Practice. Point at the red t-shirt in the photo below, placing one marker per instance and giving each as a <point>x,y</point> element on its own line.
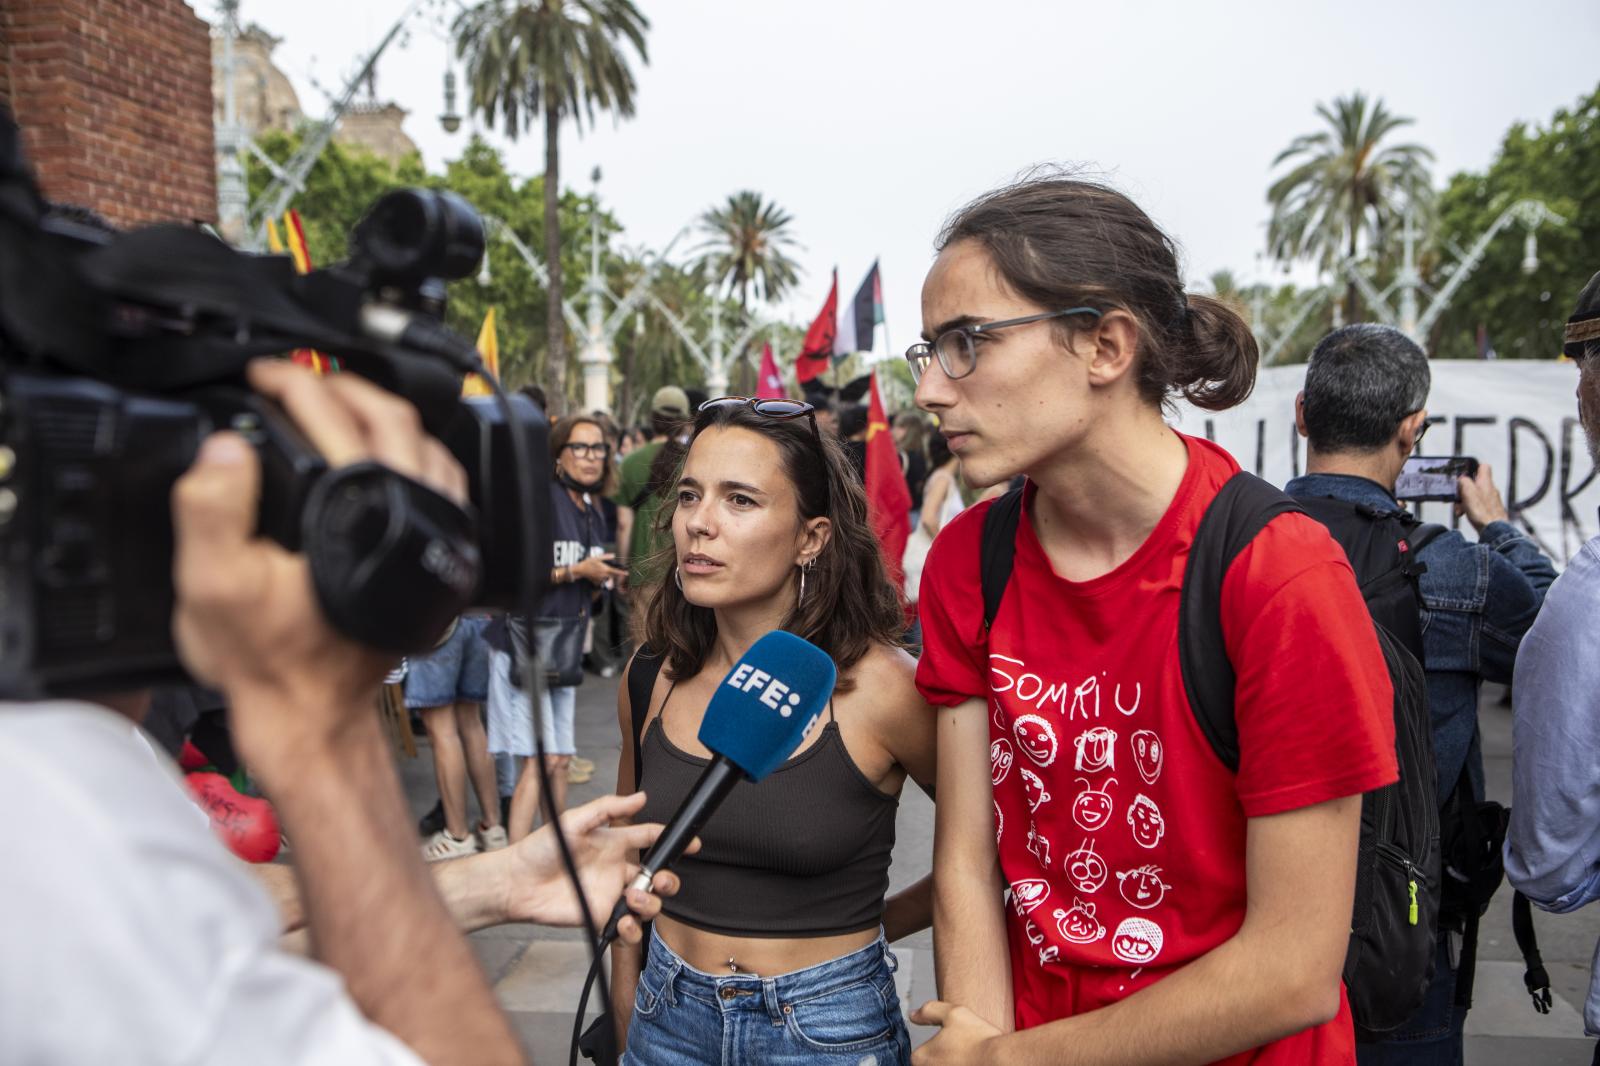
<point>1121,834</point>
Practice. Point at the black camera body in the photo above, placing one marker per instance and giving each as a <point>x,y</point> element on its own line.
<point>121,353</point>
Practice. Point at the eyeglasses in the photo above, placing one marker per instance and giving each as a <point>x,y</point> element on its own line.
<point>1416,442</point>
<point>782,410</point>
<point>956,348</point>
<point>588,451</point>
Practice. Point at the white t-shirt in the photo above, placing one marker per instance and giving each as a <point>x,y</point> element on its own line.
<point>128,933</point>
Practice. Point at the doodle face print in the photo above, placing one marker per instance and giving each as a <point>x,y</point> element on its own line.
<point>1032,931</point>
<point>1145,818</point>
<point>999,823</point>
<point>1049,955</point>
<point>1086,869</point>
<point>1092,809</point>
<point>1034,789</point>
<point>1000,757</point>
<point>1143,888</point>
<point>1037,739</point>
<point>1148,755</point>
<point>1096,750</point>
<point>1028,894</point>
<point>1078,925</point>
<point>1137,941</point>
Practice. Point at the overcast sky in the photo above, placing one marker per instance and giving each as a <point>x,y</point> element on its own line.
<point>871,121</point>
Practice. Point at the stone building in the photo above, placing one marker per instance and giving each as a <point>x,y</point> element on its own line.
<point>265,100</point>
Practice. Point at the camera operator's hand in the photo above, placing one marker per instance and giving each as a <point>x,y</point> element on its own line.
<point>303,710</point>
<point>247,620</point>
<point>1480,500</point>
<point>535,883</point>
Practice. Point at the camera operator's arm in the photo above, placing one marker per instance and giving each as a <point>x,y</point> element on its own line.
<point>526,882</point>
<point>301,700</point>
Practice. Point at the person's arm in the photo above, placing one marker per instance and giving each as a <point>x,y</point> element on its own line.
<point>1552,850</point>
<point>300,709</point>
<point>971,956</point>
<point>1281,969</point>
<point>1518,575</point>
<point>627,960</point>
<point>905,724</point>
<point>624,534</point>
<point>527,882</point>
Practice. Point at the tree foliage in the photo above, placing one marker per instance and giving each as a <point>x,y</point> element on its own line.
<point>1345,190</point>
<point>1523,314</point>
<point>747,242</point>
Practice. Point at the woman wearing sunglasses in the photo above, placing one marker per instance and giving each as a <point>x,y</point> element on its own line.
<point>1162,907</point>
<point>775,950</point>
<point>581,567</point>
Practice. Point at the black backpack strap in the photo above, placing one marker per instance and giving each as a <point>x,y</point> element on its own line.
<point>642,673</point>
<point>1535,977</point>
<point>1240,510</point>
<point>998,551</point>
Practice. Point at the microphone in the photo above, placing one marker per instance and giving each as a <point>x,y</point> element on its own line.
<point>756,719</point>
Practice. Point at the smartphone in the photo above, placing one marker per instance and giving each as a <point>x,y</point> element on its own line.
<point>1433,477</point>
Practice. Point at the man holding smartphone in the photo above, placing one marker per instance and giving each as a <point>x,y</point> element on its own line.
<point>1362,412</point>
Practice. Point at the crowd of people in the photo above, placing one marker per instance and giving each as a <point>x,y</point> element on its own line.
<point>1152,697</point>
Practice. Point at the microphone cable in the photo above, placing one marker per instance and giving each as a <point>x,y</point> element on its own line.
<point>522,463</point>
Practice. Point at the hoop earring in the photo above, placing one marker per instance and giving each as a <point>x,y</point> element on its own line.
<point>677,578</point>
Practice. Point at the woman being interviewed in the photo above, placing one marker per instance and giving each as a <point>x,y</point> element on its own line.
<point>775,949</point>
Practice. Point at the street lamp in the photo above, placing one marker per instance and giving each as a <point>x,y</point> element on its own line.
<point>450,120</point>
<point>1530,253</point>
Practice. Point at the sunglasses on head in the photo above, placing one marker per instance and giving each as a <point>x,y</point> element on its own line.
<point>782,410</point>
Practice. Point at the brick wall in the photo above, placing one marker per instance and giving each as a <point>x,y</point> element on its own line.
<point>114,101</point>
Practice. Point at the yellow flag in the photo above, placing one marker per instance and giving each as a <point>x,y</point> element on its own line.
<point>274,242</point>
<point>489,351</point>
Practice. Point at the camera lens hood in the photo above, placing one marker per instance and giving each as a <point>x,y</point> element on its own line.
<point>392,561</point>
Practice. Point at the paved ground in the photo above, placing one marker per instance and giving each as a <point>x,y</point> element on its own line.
<point>537,972</point>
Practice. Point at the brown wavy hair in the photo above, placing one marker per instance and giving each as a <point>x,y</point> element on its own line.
<point>1059,241</point>
<point>850,603</point>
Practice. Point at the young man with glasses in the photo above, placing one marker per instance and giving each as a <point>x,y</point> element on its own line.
<point>1553,845</point>
<point>1109,886</point>
<point>1362,414</point>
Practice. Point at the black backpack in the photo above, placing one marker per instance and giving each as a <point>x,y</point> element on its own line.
<point>1390,959</point>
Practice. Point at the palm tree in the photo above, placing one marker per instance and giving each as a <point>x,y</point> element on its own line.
<point>1344,185</point>
<point>745,243</point>
<point>551,59</point>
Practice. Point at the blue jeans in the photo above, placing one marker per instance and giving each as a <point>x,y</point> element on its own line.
<point>842,1011</point>
<point>1432,1037</point>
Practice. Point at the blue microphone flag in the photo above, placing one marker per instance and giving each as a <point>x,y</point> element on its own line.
<point>761,711</point>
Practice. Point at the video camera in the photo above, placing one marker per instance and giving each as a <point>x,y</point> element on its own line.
<point>121,352</point>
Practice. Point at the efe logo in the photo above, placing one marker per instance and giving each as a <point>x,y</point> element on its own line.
<point>774,693</point>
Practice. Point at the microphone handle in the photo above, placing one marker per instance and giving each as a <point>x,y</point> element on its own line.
<point>706,796</point>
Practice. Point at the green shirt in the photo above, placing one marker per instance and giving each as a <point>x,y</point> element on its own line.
<point>633,476</point>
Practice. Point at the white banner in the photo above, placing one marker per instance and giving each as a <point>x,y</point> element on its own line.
<point>1520,417</point>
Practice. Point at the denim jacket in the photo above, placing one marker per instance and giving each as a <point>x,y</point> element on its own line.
<point>1477,602</point>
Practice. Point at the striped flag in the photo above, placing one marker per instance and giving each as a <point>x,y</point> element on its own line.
<point>301,254</point>
<point>858,321</point>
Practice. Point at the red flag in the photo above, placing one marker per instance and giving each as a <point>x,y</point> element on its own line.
<point>888,498</point>
<point>769,384</point>
<point>816,354</point>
